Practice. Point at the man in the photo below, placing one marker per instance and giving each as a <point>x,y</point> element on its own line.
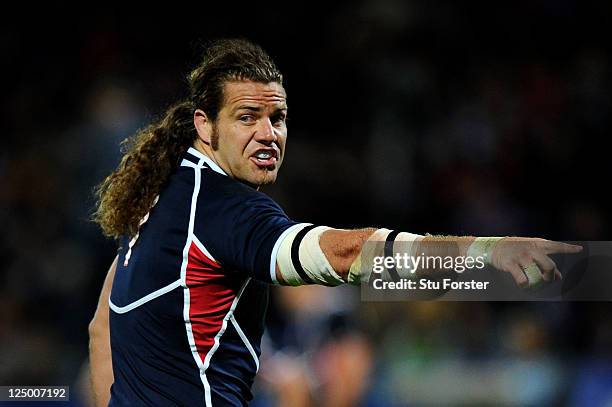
<point>199,244</point>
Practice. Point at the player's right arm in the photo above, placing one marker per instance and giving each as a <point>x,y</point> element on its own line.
<point>100,362</point>
<point>248,232</point>
<point>333,256</point>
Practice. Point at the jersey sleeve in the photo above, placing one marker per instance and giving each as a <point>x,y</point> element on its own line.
<point>241,230</point>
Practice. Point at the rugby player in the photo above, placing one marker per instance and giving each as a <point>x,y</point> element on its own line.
<point>183,305</point>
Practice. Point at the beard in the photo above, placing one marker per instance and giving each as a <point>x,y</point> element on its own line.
<point>214,137</point>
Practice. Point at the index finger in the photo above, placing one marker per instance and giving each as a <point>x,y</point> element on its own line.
<point>560,247</point>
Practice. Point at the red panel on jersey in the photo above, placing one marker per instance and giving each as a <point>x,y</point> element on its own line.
<point>210,298</point>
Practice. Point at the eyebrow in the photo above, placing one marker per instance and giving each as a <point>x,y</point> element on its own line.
<point>259,109</point>
<point>251,108</point>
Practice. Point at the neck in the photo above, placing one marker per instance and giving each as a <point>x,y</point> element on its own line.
<point>207,150</point>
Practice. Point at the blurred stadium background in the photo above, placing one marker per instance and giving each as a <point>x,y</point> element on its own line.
<point>426,116</point>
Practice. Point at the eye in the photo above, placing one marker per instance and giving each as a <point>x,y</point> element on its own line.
<point>246,118</point>
<point>279,119</point>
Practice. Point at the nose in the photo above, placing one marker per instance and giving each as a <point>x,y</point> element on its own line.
<point>265,133</point>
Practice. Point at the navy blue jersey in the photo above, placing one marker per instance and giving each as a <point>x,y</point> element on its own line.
<point>190,292</point>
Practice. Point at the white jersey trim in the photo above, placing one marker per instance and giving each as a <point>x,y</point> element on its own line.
<point>145,299</point>
<point>183,279</point>
<point>213,165</point>
<point>191,238</point>
<point>187,163</point>
<point>246,341</point>
<point>217,340</point>
<point>177,283</point>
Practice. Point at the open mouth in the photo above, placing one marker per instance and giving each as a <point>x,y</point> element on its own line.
<point>265,157</point>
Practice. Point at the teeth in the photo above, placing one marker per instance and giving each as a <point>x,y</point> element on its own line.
<point>263,155</point>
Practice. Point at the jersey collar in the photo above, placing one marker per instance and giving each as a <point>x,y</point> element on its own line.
<point>210,163</point>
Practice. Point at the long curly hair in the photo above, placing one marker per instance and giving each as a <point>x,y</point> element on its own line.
<point>152,154</point>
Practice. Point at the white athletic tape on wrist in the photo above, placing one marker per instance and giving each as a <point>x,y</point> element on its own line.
<point>381,244</point>
<point>483,247</point>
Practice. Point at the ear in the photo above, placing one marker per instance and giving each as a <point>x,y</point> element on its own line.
<point>203,126</point>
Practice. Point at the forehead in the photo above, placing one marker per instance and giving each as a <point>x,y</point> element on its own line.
<point>237,93</point>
